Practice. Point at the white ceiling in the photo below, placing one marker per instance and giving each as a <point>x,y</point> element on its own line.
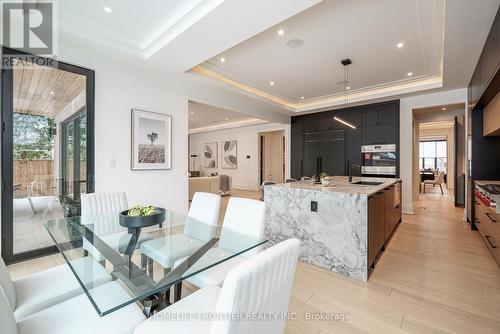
<point>365,31</point>
<point>441,46</point>
<point>135,27</point>
<point>204,118</point>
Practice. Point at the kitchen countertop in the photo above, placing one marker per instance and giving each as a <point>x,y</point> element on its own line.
<point>484,182</point>
<point>341,184</point>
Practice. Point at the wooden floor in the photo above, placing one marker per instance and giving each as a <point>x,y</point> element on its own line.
<point>436,276</point>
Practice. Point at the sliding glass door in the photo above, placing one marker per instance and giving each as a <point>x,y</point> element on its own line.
<point>74,156</point>
<point>47,149</point>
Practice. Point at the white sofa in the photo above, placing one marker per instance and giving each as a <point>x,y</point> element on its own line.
<point>207,184</point>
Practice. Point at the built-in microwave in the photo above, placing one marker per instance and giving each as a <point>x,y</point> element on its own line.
<point>378,159</point>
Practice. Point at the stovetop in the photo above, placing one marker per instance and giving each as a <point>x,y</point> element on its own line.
<point>492,189</point>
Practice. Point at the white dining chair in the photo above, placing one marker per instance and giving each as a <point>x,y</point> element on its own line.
<point>438,181</point>
<point>290,180</point>
<point>305,178</point>
<point>200,227</point>
<point>41,290</point>
<point>75,316</point>
<point>102,211</point>
<point>261,285</point>
<point>244,218</point>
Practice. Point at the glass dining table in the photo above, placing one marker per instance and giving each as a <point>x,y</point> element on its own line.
<point>191,245</point>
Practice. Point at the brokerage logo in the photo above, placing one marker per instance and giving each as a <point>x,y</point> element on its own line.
<point>29,26</point>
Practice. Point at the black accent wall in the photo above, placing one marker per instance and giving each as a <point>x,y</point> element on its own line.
<point>319,134</point>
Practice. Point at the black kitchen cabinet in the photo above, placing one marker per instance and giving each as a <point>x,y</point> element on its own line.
<point>381,114</point>
<point>485,81</point>
<point>330,146</point>
<point>379,134</point>
<point>352,116</point>
<point>370,116</point>
<point>386,114</point>
<point>379,124</point>
<point>375,124</point>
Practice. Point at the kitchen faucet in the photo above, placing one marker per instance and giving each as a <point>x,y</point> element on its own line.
<point>350,169</point>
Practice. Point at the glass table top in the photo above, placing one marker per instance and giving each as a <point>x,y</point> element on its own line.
<point>101,253</point>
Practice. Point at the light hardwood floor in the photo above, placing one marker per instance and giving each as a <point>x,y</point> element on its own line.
<point>436,276</point>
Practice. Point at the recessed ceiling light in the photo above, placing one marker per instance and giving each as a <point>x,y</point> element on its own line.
<point>348,87</point>
<point>281,32</point>
<point>400,45</point>
<point>227,118</point>
<point>302,97</point>
<point>108,9</point>
<point>410,74</point>
<point>271,83</point>
<point>443,108</point>
<point>222,59</point>
<point>52,93</point>
<point>192,112</point>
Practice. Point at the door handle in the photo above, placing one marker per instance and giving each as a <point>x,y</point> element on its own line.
<point>493,220</point>
<point>489,241</point>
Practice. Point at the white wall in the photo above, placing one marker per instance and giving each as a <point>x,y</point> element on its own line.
<point>407,105</point>
<point>121,85</point>
<point>246,176</point>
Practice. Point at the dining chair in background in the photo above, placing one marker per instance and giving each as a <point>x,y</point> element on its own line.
<point>75,315</point>
<point>200,227</point>
<point>262,186</point>
<point>244,218</point>
<point>46,288</point>
<point>438,181</point>
<point>305,178</point>
<point>290,180</point>
<point>251,288</point>
<point>102,211</point>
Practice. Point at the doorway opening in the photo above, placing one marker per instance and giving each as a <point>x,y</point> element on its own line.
<point>439,154</point>
<point>47,150</point>
<point>272,156</point>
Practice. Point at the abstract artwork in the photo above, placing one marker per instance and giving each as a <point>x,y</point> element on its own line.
<point>210,155</point>
<point>151,140</point>
<point>229,154</point>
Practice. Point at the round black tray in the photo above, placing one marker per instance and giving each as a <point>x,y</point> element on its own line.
<point>142,221</point>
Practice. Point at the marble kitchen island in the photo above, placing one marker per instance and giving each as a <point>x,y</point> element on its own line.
<point>332,222</point>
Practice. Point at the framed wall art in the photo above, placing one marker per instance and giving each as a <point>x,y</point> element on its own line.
<point>151,140</point>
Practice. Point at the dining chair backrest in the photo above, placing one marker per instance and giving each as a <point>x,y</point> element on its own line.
<point>103,204</point>
<point>440,178</point>
<point>305,178</point>
<point>8,323</point>
<point>204,211</point>
<point>96,203</point>
<point>290,180</point>
<point>244,217</point>
<point>7,285</point>
<point>261,285</point>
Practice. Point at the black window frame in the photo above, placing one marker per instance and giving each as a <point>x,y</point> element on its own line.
<point>7,77</point>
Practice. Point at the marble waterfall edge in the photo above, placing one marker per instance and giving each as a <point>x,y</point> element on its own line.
<point>334,238</point>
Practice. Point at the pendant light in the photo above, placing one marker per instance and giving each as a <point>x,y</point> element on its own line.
<point>345,62</point>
